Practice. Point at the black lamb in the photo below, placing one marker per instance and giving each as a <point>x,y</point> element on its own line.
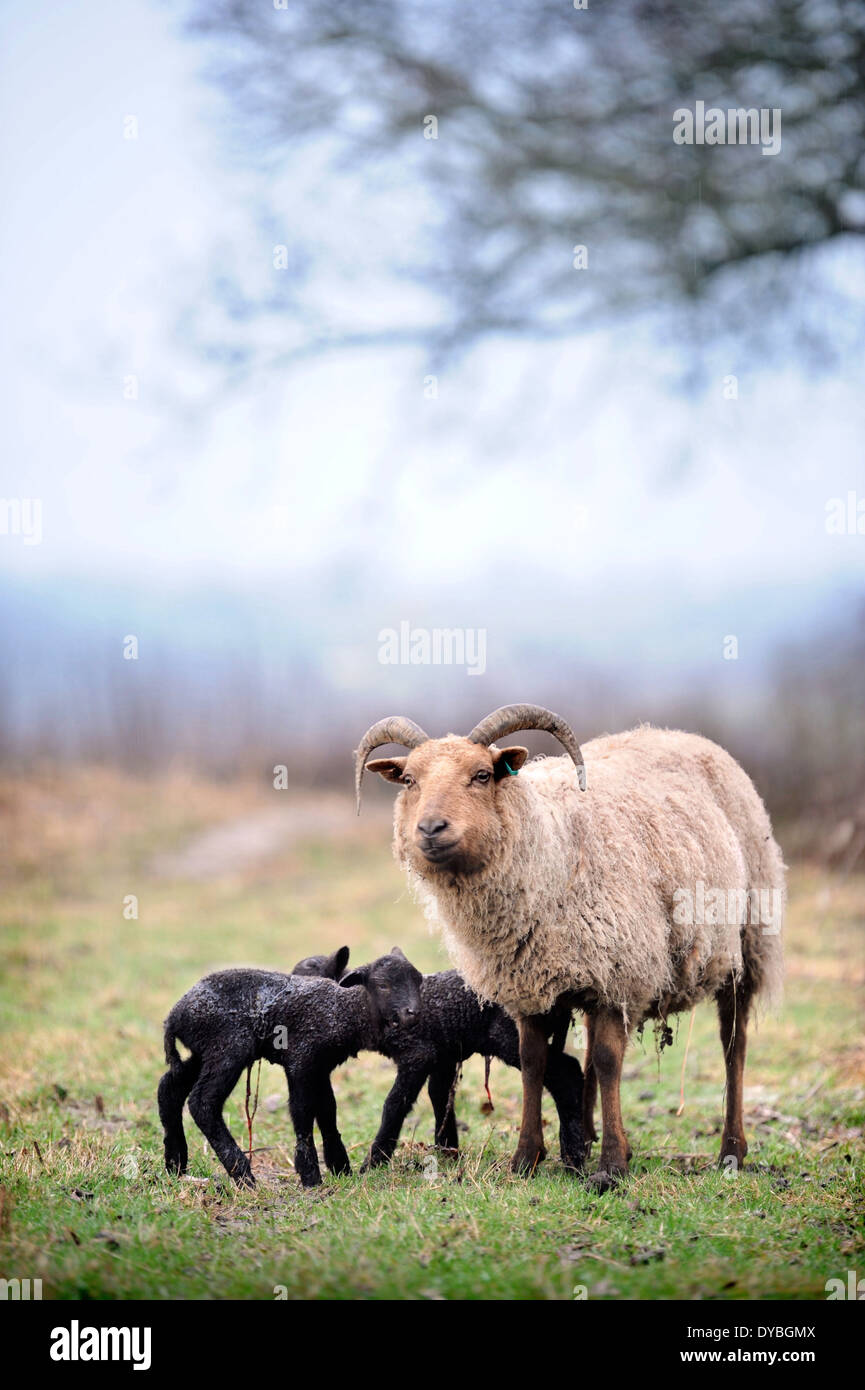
<point>453,1026</point>
<point>307,1026</point>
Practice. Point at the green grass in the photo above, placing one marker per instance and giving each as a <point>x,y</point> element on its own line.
<point>86,1206</point>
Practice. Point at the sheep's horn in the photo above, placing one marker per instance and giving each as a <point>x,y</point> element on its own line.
<point>510,718</point>
<point>395,729</point>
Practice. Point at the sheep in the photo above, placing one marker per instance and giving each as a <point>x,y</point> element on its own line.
<point>307,1026</point>
<point>324,967</point>
<point>454,1025</point>
<point>550,894</point>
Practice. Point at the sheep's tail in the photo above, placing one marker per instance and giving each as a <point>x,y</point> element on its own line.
<point>187,1068</point>
<point>763,947</point>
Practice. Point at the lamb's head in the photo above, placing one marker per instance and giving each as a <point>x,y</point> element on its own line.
<point>324,967</point>
<point>449,812</point>
<point>393,985</point>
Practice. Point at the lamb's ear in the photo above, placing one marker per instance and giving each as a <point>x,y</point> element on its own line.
<point>391,769</point>
<point>338,962</point>
<point>395,951</point>
<point>508,761</point>
<point>358,976</point>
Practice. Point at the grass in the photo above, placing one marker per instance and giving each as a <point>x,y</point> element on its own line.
<point>86,1206</point>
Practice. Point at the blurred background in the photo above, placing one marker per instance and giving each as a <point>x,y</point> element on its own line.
<point>328,321</point>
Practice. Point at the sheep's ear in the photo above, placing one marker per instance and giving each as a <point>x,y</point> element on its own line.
<point>338,962</point>
<point>391,769</point>
<point>508,761</point>
<point>395,951</point>
<point>358,976</point>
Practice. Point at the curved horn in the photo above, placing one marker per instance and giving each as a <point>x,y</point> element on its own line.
<point>395,729</point>
<point>510,718</point>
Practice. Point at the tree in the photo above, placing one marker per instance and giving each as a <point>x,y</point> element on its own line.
<point>535,130</point>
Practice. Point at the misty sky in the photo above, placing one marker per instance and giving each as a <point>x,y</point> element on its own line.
<point>580,463</point>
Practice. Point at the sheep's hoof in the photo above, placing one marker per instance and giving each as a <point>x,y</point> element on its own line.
<point>606,1179</point>
<point>573,1163</point>
<point>527,1158</point>
<point>447,1150</point>
<point>376,1158</point>
<point>244,1180</point>
<point>732,1155</point>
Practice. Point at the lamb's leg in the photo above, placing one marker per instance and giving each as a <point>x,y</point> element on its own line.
<point>173,1091</point>
<point>733,1008</point>
<point>608,1051</point>
<point>335,1155</point>
<point>590,1085</point>
<point>533,1063</point>
<point>441,1090</point>
<point>206,1101</point>
<point>564,1081</point>
<point>304,1099</point>
<point>400,1099</point>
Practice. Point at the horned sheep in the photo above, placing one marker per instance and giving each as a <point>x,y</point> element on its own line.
<point>566,882</point>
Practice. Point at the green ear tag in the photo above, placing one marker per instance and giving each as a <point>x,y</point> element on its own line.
<point>510,769</point>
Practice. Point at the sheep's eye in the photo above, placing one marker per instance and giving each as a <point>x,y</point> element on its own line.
<point>482,777</point>
<point>407,780</point>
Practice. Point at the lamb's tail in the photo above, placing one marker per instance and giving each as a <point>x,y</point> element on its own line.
<point>188,1068</point>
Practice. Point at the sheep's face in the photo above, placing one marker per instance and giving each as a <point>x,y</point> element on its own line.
<point>448,815</point>
<point>393,985</point>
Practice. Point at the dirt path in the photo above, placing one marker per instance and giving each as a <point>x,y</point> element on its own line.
<point>237,845</point>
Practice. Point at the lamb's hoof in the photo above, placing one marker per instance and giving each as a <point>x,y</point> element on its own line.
<point>244,1180</point>
<point>605,1179</point>
<point>526,1159</point>
<point>340,1168</point>
<point>573,1163</point>
<point>374,1159</point>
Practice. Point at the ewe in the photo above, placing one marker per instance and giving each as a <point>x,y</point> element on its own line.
<point>565,884</point>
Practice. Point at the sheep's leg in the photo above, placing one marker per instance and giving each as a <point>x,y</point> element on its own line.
<point>533,1064</point>
<point>335,1155</point>
<point>608,1051</point>
<point>303,1103</point>
<point>564,1082</point>
<point>590,1086</point>
<point>400,1099</point>
<point>733,1007</point>
<point>173,1091</point>
<point>442,1085</point>
<point>206,1101</point>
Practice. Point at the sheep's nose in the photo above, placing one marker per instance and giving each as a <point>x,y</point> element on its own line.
<point>432,826</point>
